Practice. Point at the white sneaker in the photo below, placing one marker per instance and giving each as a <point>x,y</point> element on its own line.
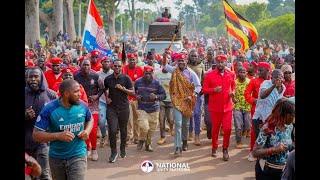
<point>89,154</point>
<point>251,158</point>
<point>94,155</point>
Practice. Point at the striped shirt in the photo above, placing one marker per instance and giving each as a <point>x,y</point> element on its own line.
<point>265,106</point>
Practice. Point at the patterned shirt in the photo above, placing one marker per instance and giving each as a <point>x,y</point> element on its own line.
<point>265,106</point>
<point>274,139</point>
<point>241,104</point>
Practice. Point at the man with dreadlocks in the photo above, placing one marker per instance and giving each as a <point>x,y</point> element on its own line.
<point>184,87</point>
<point>274,141</point>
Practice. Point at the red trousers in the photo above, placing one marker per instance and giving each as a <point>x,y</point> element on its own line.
<point>92,140</point>
<point>218,118</point>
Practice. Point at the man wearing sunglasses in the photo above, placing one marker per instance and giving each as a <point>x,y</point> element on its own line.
<point>119,86</point>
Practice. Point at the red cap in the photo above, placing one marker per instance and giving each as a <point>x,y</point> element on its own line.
<point>66,70</point>
<point>148,69</point>
<point>56,60</point>
<point>95,53</point>
<point>104,58</point>
<point>264,65</point>
<point>221,57</point>
<point>132,56</point>
<point>179,56</point>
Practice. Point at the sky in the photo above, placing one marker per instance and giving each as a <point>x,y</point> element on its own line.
<point>170,4</point>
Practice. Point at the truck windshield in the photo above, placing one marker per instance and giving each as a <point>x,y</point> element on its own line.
<point>160,47</point>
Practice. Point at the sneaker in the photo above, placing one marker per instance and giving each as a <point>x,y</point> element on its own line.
<point>103,141</point>
<point>94,155</point>
<point>178,152</point>
<point>89,154</point>
<point>140,145</point>
<point>184,145</point>
<point>161,141</point>
<point>135,141</point>
<point>113,157</point>
<point>214,153</point>
<point>225,155</point>
<point>149,148</point>
<point>251,158</point>
<point>123,154</point>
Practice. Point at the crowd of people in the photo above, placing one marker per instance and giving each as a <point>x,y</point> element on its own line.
<point>75,100</point>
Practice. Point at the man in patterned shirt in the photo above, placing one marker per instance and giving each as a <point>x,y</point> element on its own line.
<point>241,111</point>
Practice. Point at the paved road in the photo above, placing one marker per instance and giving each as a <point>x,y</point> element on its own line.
<point>202,165</point>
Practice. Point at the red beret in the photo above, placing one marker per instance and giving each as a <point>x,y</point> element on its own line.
<point>66,70</point>
<point>132,56</point>
<point>148,68</point>
<point>179,56</point>
<point>221,57</point>
<point>264,65</point>
<point>56,60</point>
<point>95,53</point>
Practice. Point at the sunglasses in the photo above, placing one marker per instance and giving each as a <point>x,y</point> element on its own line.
<point>116,65</point>
<point>287,72</point>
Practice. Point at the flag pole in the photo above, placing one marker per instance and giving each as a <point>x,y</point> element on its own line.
<point>230,45</point>
<point>82,38</point>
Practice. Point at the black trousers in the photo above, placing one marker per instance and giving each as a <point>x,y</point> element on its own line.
<point>268,173</point>
<point>115,119</point>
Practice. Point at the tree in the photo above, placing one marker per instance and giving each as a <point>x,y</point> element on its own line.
<point>281,27</point>
<point>69,19</point>
<point>53,20</point>
<point>32,27</point>
<point>132,12</point>
<point>256,11</point>
<point>57,21</point>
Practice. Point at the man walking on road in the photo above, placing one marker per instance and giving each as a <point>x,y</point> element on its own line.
<point>65,123</point>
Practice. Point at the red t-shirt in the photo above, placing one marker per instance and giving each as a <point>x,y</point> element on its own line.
<point>51,78</point>
<point>252,92</point>
<point>134,74</point>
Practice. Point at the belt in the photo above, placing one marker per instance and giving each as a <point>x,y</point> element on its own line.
<point>275,166</point>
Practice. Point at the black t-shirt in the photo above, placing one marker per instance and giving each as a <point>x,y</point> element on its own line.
<point>90,83</point>
<point>118,97</point>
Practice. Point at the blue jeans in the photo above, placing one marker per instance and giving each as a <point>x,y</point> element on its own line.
<point>181,127</point>
<point>241,123</point>
<point>43,159</point>
<point>72,169</point>
<point>196,117</point>
<point>103,118</point>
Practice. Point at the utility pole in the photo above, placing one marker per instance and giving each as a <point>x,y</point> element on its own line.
<point>142,21</point>
<point>120,25</point>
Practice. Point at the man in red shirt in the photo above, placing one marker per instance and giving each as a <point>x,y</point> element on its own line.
<point>134,72</point>
<point>54,75</point>
<point>68,74</point>
<point>67,62</point>
<point>95,61</point>
<point>251,95</point>
<point>219,84</point>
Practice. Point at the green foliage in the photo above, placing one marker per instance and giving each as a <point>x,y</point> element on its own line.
<point>282,27</point>
<point>256,11</point>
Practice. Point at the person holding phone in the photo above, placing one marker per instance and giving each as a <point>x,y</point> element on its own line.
<point>274,141</point>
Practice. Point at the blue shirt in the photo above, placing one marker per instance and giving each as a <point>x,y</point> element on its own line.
<point>274,139</point>
<point>265,106</point>
<point>56,118</point>
<point>144,90</point>
<point>189,74</point>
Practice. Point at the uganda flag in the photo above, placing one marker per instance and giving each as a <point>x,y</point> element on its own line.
<point>239,27</point>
